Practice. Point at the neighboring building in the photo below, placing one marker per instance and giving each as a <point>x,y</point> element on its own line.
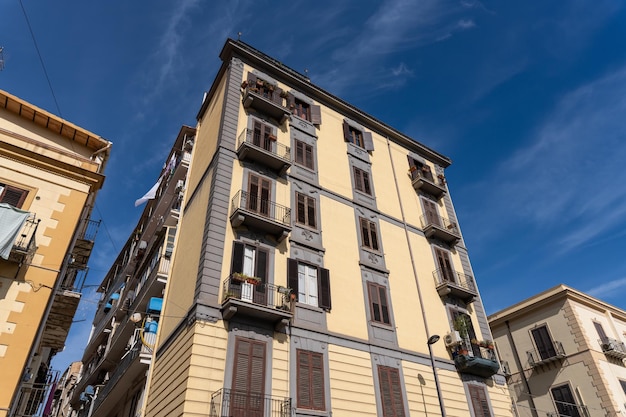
<point>50,172</point>
<point>118,355</point>
<point>563,352</point>
<point>317,252</point>
<point>61,406</point>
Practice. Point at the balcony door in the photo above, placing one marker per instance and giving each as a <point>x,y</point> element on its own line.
<point>446,273</point>
<point>261,136</point>
<point>564,401</point>
<point>253,262</point>
<point>430,211</point>
<point>259,195</point>
<point>247,397</point>
<point>544,344</point>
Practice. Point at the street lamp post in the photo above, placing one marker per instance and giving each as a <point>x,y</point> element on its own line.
<point>432,340</point>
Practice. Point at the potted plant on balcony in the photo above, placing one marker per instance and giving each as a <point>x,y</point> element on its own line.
<point>461,324</point>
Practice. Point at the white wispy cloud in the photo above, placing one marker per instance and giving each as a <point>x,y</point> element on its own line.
<point>568,178</point>
<point>466,24</point>
<point>609,289</point>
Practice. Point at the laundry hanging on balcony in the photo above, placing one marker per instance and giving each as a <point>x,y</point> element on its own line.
<point>11,222</point>
<point>149,195</point>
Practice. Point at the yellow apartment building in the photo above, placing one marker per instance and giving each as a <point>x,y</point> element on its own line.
<point>118,356</point>
<point>318,252</point>
<point>563,354</point>
<point>50,172</point>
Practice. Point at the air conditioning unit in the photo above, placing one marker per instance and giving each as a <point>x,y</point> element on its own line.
<point>452,338</point>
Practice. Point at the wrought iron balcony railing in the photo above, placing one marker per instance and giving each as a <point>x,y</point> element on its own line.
<point>613,347</point>
<point>548,353</point>
<point>441,228</point>
<point>261,293</point>
<point>427,182</point>
<point>266,143</point>
<point>454,283</point>
<point>231,403</point>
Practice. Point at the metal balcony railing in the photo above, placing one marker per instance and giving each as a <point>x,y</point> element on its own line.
<point>261,293</point>
<point>546,354</point>
<point>428,176</point>
<point>448,276</point>
<point>231,403</point>
<point>88,229</point>
<point>25,241</point>
<point>439,222</point>
<point>613,347</point>
<point>121,368</point>
<point>569,410</point>
<point>262,207</point>
<point>34,397</point>
<point>267,143</point>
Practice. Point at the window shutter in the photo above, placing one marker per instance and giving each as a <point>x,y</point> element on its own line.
<point>383,304</point>
<point>600,330</point>
<point>480,404</point>
<point>261,265</point>
<point>292,275</point>
<point>310,380</point>
<point>366,183</point>
<point>276,98</point>
<point>291,100</point>
<point>304,380</point>
<point>391,392</point>
<point>346,131</point>
<point>324,288</point>
<point>13,196</point>
<point>411,161</point>
<point>544,344</point>
<point>316,114</point>
<point>311,212</point>
<point>374,235</point>
<point>237,261</point>
<point>368,141</point>
<point>251,80</point>
<point>317,381</point>
<point>374,300</point>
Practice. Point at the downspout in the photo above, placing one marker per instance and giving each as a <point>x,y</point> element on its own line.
<point>408,241</point>
<point>518,362</point>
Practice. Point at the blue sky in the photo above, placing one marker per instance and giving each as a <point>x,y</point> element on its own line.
<point>527,98</point>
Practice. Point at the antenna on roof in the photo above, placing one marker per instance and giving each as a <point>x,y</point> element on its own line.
<point>1,58</point>
<point>238,36</point>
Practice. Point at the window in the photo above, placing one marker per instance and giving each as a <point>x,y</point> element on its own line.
<point>480,403</point>
<point>248,378</point>
<point>369,235</point>
<point>601,332</point>
<point>302,109</point>
<point>430,213</point>
<point>262,136</point>
<point>305,213</point>
<point>253,262</point>
<point>390,392</point>
<point>564,401</point>
<point>543,341</point>
<point>378,303</point>
<point>12,195</point>
<point>357,136</point>
<point>445,272</point>
<point>310,283</point>
<point>258,199</point>
<point>304,154</point>
<point>310,377</point>
<point>362,181</point>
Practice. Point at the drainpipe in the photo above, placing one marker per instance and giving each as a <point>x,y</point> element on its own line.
<point>518,362</point>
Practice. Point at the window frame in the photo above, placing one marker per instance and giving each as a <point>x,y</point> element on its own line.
<point>370,237</point>
<point>324,295</point>
<point>301,109</point>
<point>559,405</point>
<point>307,208</point>
<point>395,398</point>
<point>381,293</point>
<point>307,149</point>
<point>4,188</point>
<point>362,180</point>
<point>315,378</point>
<point>479,400</point>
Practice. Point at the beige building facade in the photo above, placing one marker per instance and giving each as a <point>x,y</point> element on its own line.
<point>50,172</point>
<point>317,253</point>
<point>563,352</point>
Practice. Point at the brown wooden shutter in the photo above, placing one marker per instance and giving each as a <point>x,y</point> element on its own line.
<point>366,183</point>
<point>384,308</point>
<point>391,392</point>
<point>368,141</point>
<point>251,80</point>
<point>365,236</point>
<point>445,265</point>
<point>480,404</point>
<point>237,261</point>
<point>324,288</point>
<point>600,330</point>
<point>249,366</point>
<point>13,196</point>
<point>374,235</point>
<point>292,275</point>
<point>374,301</point>
<point>310,380</point>
<point>316,114</point>
<point>346,132</point>
<point>261,264</point>
<point>308,157</point>
<point>311,214</point>
<point>544,344</point>
<point>276,98</point>
<point>432,216</point>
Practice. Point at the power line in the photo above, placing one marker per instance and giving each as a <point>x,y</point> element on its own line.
<point>32,35</point>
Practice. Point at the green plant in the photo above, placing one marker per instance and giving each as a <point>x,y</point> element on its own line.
<point>461,325</point>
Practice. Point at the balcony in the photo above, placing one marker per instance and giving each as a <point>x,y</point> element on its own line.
<point>549,353</point>
<point>265,101</point>
<point>480,361</point>
<point>24,246</point>
<point>33,396</point>
<point>425,181</point>
<point>265,150</point>
<point>59,321</point>
<point>455,284</point>
<point>261,301</point>
<point>226,402</point>
<point>613,348</point>
<point>260,214</point>
<point>121,380</point>
<point>85,239</point>
<point>437,227</point>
